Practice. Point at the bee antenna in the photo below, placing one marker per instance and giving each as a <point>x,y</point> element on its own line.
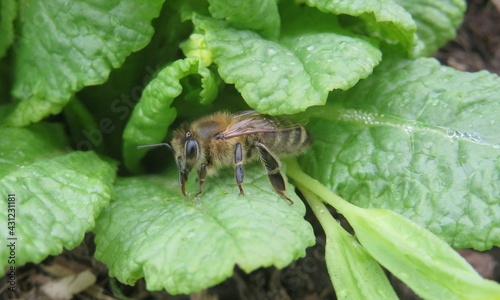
<point>156,145</point>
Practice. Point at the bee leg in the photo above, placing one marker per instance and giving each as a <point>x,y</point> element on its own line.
<point>238,170</point>
<point>202,174</point>
<point>272,166</point>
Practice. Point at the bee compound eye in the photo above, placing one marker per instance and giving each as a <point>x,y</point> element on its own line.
<point>191,149</point>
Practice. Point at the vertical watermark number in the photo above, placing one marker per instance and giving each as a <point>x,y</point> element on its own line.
<point>11,241</point>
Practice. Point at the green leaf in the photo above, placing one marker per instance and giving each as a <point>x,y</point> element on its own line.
<point>41,141</point>
<point>288,76</point>
<point>8,12</point>
<point>153,115</point>
<point>58,194</point>
<point>260,16</point>
<point>427,264</point>
<point>67,45</point>
<point>420,259</point>
<point>187,244</point>
<point>420,139</point>
<point>386,20</point>
<point>81,124</point>
<point>437,23</point>
<point>354,273</point>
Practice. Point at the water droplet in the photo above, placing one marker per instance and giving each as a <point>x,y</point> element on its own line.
<point>492,122</point>
<point>341,293</point>
<point>450,133</point>
<point>271,51</point>
<point>310,48</point>
<point>274,68</point>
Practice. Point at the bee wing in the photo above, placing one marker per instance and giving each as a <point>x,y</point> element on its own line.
<point>251,122</point>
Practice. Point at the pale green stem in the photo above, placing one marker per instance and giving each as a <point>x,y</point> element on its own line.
<point>302,180</point>
<point>320,210</point>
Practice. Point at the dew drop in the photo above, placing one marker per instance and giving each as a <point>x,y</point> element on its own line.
<point>274,68</point>
<point>450,133</point>
<point>271,51</point>
<point>310,48</point>
<point>341,293</point>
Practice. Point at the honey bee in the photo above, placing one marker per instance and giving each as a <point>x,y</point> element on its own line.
<point>225,139</point>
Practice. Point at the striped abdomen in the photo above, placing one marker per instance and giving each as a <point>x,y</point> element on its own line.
<point>288,141</point>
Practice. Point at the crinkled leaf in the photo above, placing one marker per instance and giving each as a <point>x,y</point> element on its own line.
<point>41,141</point>
<point>69,44</point>
<point>288,76</point>
<point>420,139</point>
<point>58,194</point>
<point>311,37</point>
<point>187,244</point>
<point>386,20</point>
<point>260,16</point>
<point>153,115</point>
<point>354,273</point>
<point>8,12</point>
<point>437,23</point>
<point>82,125</point>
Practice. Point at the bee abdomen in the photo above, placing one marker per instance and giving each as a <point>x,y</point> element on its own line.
<point>288,141</point>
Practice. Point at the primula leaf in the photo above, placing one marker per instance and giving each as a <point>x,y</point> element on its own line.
<point>420,139</point>
<point>187,244</point>
<point>153,115</point>
<point>288,76</point>
<point>261,16</point>
<point>348,263</point>
<point>437,23</point>
<point>68,44</point>
<point>419,258</point>
<point>7,16</point>
<point>81,124</point>
<point>427,264</point>
<point>58,195</point>
<point>385,20</point>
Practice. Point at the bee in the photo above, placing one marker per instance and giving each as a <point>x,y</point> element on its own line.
<point>225,139</point>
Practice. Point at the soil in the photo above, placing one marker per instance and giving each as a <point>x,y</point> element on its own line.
<point>477,47</point>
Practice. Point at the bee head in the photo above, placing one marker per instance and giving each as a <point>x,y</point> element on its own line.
<point>187,153</point>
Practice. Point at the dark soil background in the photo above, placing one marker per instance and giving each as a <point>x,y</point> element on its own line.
<point>477,47</point>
